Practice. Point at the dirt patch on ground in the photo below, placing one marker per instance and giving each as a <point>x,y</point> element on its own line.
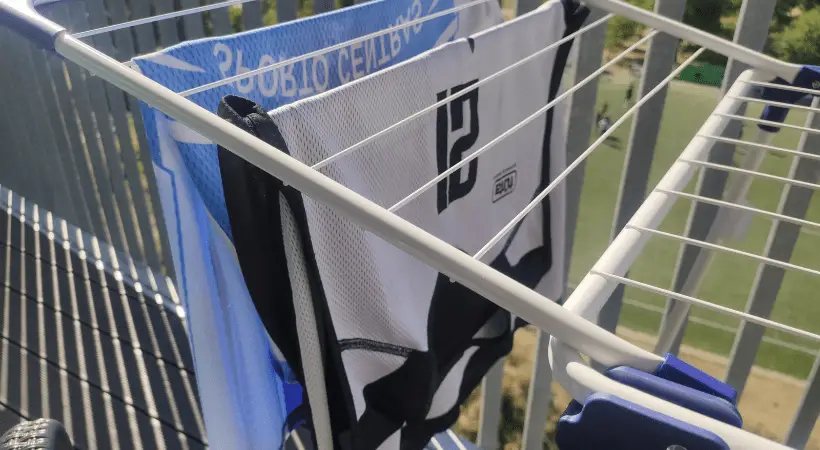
<point>768,403</point>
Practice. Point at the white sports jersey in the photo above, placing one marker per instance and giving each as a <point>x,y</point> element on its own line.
<point>402,346</point>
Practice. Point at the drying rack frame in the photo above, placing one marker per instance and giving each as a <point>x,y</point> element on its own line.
<point>572,331</point>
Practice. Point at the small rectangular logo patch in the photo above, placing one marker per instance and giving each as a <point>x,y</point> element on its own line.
<point>505,183</point>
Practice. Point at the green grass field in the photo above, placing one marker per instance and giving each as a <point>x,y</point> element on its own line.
<point>730,278</point>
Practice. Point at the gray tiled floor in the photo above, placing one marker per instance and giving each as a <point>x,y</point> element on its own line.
<point>79,345</point>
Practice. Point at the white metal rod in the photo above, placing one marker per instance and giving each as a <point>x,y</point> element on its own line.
<point>778,104</point>
<point>735,206</point>
<point>515,128</point>
<point>459,94</point>
<point>724,249</point>
<point>560,178</point>
<point>739,186</point>
<point>785,87</point>
<point>322,51</point>
<point>714,307</point>
<point>593,291</point>
<point>157,18</point>
<point>757,145</point>
<point>701,38</point>
<point>457,265</point>
<point>772,123</point>
<point>721,327</point>
<point>750,172</point>
<point>456,440</point>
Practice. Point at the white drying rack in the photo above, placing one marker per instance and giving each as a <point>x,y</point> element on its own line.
<point>570,326</point>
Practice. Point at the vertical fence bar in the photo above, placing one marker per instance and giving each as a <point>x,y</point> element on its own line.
<point>45,155</point>
<point>320,6</point>
<point>7,152</point>
<point>525,6</point>
<point>145,43</point>
<point>168,34</point>
<point>752,31</point>
<point>109,172</point>
<point>221,21</point>
<point>76,210</point>
<point>193,26</point>
<point>490,419</point>
<point>539,396</point>
<point>794,202</point>
<point>32,183</point>
<point>97,136</point>
<point>121,157</point>
<point>66,136</point>
<point>55,144</point>
<point>252,15</point>
<point>11,144</point>
<point>286,10</point>
<point>586,59</point>
<point>76,150</point>
<point>807,413</point>
<point>124,48</point>
<point>660,61</point>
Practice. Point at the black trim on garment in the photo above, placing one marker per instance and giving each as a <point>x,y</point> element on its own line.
<point>417,435</point>
<point>574,17</point>
<point>374,346</point>
<point>252,197</point>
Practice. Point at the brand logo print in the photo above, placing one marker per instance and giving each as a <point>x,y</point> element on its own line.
<point>504,183</point>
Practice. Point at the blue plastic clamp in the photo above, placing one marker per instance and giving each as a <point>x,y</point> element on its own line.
<point>607,422</point>
<point>709,405</point>
<point>678,371</point>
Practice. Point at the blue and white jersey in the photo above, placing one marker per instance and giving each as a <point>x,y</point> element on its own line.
<point>246,388</point>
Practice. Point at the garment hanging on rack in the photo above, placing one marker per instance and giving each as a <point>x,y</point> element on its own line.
<point>402,345</point>
<point>245,386</point>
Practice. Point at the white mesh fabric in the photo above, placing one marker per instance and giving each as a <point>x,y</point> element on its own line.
<point>306,328</point>
<point>374,290</point>
<point>364,366</point>
<point>352,288</point>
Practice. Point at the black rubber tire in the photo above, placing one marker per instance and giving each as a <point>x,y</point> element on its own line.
<point>40,434</point>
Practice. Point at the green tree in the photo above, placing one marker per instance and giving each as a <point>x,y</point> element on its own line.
<point>622,30</point>
<point>702,14</point>
<point>799,42</point>
<point>706,14</point>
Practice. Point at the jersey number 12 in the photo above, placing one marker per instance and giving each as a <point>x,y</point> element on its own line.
<point>450,120</point>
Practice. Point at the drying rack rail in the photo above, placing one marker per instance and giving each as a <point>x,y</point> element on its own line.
<point>571,325</point>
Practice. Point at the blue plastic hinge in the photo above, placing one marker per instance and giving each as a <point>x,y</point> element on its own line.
<point>680,372</point>
<point>22,18</point>
<point>709,405</point>
<point>808,77</point>
<point>607,422</point>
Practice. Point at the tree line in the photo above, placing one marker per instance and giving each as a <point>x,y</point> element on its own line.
<point>794,34</point>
